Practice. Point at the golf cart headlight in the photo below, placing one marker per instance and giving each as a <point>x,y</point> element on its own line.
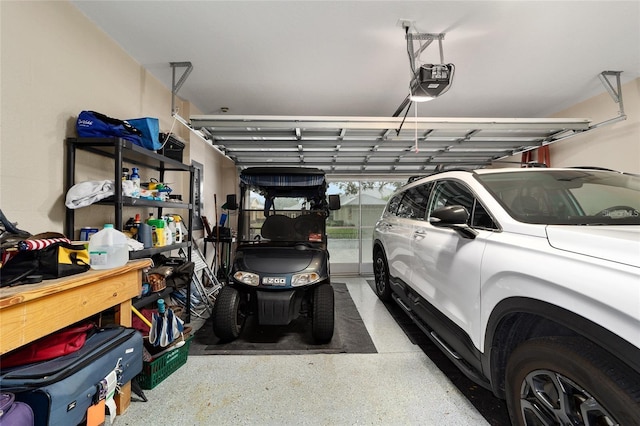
<point>304,279</point>
<point>247,278</point>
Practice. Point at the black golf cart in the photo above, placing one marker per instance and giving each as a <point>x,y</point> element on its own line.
<point>281,265</point>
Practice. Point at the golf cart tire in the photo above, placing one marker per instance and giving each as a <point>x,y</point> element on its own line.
<point>322,322</point>
<point>228,317</point>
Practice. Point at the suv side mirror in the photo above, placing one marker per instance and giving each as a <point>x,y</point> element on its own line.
<point>334,202</point>
<point>231,203</point>
<point>453,217</point>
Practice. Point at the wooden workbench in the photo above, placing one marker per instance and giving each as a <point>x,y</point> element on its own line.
<point>29,312</point>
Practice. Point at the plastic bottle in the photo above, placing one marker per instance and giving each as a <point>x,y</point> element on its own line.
<point>179,234</point>
<point>161,306</point>
<point>135,178</point>
<point>171,223</point>
<point>134,229</point>
<point>129,229</point>
<point>158,226</point>
<point>108,248</point>
<point>168,237</point>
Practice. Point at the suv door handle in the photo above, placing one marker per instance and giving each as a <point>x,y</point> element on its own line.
<point>419,233</point>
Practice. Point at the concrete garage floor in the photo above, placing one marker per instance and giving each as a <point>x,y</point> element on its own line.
<point>399,385</point>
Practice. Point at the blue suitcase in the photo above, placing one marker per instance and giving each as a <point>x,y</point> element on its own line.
<point>62,389</point>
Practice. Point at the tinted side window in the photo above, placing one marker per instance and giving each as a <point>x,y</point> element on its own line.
<point>450,193</point>
<point>414,202</point>
<point>392,206</point>
<point>481,218</point>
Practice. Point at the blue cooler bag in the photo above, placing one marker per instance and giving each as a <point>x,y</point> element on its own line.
<point>150,130</point>
<point>61,390</point>
<point>91,124</point>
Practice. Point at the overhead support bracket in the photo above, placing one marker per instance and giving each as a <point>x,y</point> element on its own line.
<point>175,86</point>
<point>428,38</point>
<point>616,93</point>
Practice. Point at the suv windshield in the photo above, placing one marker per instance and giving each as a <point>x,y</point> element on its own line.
<point>567,197</point>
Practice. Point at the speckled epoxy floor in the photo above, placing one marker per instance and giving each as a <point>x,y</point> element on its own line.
<point>399,385</point>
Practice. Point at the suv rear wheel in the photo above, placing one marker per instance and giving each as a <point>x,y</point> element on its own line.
<point>229,314</point>
<point>322,321</point>
<point>552,381</point>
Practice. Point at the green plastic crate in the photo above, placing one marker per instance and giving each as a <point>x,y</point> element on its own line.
<point>156,371</point>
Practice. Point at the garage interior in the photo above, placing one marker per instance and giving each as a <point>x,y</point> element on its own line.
<point>321,84</point>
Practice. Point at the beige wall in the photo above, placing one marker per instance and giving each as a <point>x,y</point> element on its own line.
<point>615,146</point>
<point>56,63</point>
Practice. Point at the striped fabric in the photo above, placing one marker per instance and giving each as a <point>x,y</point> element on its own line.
<point>282,180</point>
<point>41,243</point>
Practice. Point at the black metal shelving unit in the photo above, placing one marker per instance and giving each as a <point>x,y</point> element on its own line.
<point>121,151</point>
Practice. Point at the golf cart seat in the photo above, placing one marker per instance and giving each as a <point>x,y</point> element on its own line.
<point>277,228</point>
<point>309,227</point>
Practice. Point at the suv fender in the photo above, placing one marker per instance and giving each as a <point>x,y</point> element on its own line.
<point>518,319</point>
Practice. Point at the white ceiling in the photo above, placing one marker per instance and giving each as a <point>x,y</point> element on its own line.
<point>349,58</point>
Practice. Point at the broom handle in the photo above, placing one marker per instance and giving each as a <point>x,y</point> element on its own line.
<point>139,315</point>
<point>217,228</point>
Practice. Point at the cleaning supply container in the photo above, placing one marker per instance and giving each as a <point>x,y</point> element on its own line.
<point>179,233</point>
<point>135,178</point>
<point>108,248</point>
<point>168,236</point>
<point>158,226</point>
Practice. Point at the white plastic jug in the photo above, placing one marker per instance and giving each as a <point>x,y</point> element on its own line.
<point>168,235</point>
<point>108,248</point>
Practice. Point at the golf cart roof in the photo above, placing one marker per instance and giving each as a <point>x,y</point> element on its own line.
<point>274,177</point>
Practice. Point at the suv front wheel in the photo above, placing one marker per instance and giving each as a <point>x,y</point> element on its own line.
<point>551,381</point>
<point>381,275</point>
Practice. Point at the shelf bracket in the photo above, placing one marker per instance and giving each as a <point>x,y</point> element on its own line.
<point>175,86</point>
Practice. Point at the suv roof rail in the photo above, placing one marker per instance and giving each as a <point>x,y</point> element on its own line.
<point>605,169</point>
<point>417,177</point>
<point>593,168</point>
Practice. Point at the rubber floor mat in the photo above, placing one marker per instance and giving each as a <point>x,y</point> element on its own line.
<point>350,335</point>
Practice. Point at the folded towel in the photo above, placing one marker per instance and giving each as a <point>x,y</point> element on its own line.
<point>134,245</point>
<point>86,193</point>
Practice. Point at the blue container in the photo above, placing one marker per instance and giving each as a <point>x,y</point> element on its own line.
<point>86,233</point>
<point>150,129</point>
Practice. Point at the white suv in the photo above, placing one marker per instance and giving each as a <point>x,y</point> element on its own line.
<point>529,281</point>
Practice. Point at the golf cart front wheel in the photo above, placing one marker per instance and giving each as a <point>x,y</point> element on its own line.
<point>229,314</point>
<point>322,321</point>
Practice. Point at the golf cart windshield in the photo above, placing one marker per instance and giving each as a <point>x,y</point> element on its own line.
<point>282,205</point>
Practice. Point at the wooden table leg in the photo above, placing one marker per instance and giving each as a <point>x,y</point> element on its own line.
<point>123,398</point>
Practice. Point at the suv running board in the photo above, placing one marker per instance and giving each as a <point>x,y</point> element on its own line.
<point>453,356</point>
